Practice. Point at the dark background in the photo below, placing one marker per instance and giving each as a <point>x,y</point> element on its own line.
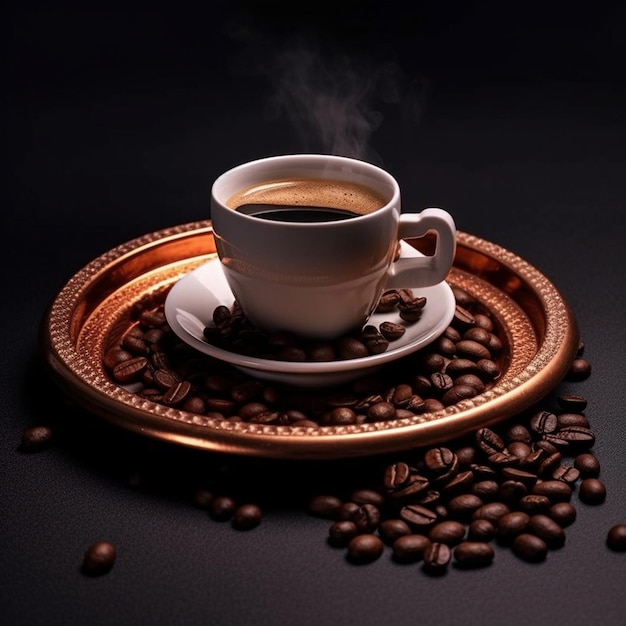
<point>511,115</point>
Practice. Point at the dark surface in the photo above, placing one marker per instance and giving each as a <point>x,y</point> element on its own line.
<point>117,123</point>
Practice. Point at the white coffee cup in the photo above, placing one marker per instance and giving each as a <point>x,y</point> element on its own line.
<point>319,279</point>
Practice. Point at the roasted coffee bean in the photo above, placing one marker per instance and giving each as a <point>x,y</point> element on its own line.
<point>530,548</point>
<point>247,516</point>
<point>411,310</point>
<point>573,437</point>
<point>491,511</point>
<point>381,411</point>
<point>446,344</point>
<point>457,393</point>
<point>543,422</point>
<point>592,491</point>
<point>449,532</point>
<point>467,348</point>
<point>366,495</point>
<point>391,331</point>
<point>99,558</point>
<point>481,530</point>
<point>518,433</point>
<point>567,474</point>
<point>441,382</point>
<point>392,528</point>
<point>488,369</point>
<point>461,367</point>
<point>555,490</point>
<point>467,456</point>
<point>36,438</point>
<point>462,319</point>
<point>461,482</point>
<point>350,348</point>
<point>410,548</point>
<point>572,419</point>
<point>114,356</point>
<point>342,416</point>
<point>547,529</point>
<point>222,508</point>
<point>563,513</point>
<point>325,506</point>
<point>396,475</point>
<point>440,460</point>
<point>580,369</point>
<point>418,517</point>
<point>177,393</point>
<point>320,352</point>
<point>400,395</point>
<point>489,441</point>
<point>588,465</point>
<point>472,554</point>
<point>347,510</point>
<point>436,558</point>
<point>510,492</point>
<point>533,504</point>
<point>486,490</point>
<point>616,538</point>
<point>571,402</point>
<point>365,548</point>
<point>462,297</point>
<point>366,517</point>
<point>521,476</point>
<point>342,532</point>
<point>472,380</point>
<point>388,301</point>
<point>414,487</point>
<point>463,506</point>
<point>131,370</point>
<point>519,449</point>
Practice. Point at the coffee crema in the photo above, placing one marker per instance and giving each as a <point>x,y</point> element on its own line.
<point>306,200</point>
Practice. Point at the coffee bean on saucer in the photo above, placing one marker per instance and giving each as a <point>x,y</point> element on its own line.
<point>99,558</point>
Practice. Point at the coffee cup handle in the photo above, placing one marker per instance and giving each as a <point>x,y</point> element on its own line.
<point>424,271</point>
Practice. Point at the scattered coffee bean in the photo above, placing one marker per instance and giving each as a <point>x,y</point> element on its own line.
<point>592,491</point>
<point>36,438</point>
<point>530,548</point>
<point>436,558</point>
<point>99,558</point>
<point>365,548</point>
<point>616,538</point>
<point>247,516</point>
<point>588,465</point>
<point>472,554</point>
<point>579,370</point>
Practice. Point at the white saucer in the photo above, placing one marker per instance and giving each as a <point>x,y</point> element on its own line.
<point>189,309</point>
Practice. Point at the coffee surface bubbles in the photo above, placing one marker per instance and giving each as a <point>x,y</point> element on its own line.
<point>307,193</point>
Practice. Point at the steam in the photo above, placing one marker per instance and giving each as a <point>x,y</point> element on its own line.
<point>333,99</point>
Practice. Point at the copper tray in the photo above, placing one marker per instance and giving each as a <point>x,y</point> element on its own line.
<point>539,332</point>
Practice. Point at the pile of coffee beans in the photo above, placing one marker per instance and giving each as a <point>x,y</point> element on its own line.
<point>511,486</point>
<point>232,331</point>
<point>462,363</point>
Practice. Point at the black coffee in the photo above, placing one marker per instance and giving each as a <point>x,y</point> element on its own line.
<point>300,214</point>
